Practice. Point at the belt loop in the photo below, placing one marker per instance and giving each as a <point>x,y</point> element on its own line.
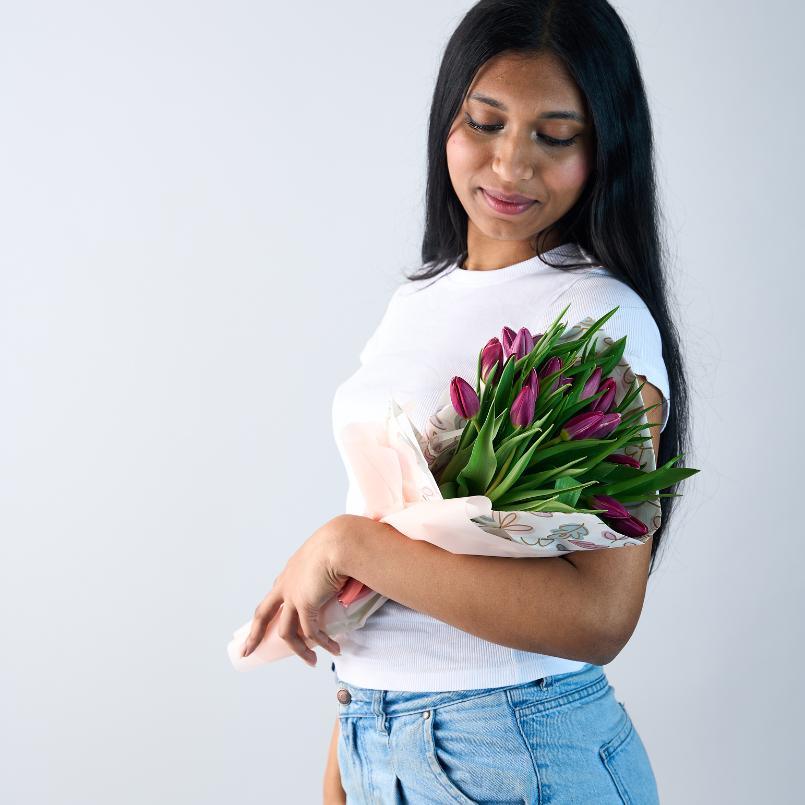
<point>378,698</point>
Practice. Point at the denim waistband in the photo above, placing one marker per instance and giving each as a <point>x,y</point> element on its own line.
<point>374,702</point>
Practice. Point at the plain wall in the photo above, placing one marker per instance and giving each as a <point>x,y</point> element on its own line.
<point>204,208</point>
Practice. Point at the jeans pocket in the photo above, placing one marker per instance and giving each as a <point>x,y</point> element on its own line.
<point>477,754</point>
<point>441,760</point>
<point>627,762</point>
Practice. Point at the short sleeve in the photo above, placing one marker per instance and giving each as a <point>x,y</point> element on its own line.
<point>595,295</point>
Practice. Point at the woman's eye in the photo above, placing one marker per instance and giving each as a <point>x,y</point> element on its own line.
<point>494,127</point>
<point>479,127</point>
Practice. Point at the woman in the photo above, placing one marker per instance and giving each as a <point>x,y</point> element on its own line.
<point>481,678</point>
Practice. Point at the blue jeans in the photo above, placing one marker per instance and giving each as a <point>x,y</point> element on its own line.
<point>559,740</point>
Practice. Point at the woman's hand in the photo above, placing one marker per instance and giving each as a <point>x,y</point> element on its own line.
<point>307,583</point>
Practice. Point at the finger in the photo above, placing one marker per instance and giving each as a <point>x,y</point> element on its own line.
<point>263,615</point>
<point>327,642</point>
<point>311,630</point>
<point>287,629</point>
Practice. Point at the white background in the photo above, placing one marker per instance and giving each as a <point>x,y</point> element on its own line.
<point>204,208</point>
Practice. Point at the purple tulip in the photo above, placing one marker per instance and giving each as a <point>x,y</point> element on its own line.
<point>604,402</point>
<point>580,425</point>
<point>464,398</point>
<point>606,425</point>
<point>550,366</point>
<point>533,383</point>
<point>562,380</point>
<point>522,411</point>
<point>591,386</point>
<point>614,508</point>
<point>630,526</point>
<point>622,458</point>
<point>523,343</point>
<point>492,354</point>
<point>507,335</point>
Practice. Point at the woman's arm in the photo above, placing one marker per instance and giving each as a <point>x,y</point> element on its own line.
<point>583,606</point>
<point>334,793</point>
<point>544,605</point>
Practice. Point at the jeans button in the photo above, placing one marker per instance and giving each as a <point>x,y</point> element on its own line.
<point>344,696</point>
<point>426,714</point>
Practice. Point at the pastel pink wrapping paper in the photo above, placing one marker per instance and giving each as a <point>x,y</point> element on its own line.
<point>389,464</point>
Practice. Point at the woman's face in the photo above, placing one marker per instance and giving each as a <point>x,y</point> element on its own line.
<point>530,103</point>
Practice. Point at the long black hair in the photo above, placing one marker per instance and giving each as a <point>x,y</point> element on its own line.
<point>617,217</point>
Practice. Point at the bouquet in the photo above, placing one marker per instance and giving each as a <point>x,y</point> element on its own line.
<point>545,454</point>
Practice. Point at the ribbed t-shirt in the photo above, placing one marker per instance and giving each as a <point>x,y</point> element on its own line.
<point>431,330</point>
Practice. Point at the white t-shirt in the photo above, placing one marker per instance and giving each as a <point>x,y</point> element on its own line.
<point>431,330</point>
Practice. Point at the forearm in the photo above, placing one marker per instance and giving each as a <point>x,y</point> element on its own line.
<point>541,605</point>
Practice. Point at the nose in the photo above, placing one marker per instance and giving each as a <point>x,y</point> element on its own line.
<point>513,160</point>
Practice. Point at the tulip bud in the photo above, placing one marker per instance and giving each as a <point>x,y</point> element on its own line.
<point>523,343</point>
<point>464,399</point>
<point>522,410</point>
<point>550,366</point>
<point>580,425</point>
<point>591,386</point>
<point>604,402</point>
<point>630,526</point>
<point>562,380</point>
<point>507,335</point>
<point>492,354</point>
<point>622,458</point>
<point>606,425</point>
<point>614,508</point>
<point>533,383</point>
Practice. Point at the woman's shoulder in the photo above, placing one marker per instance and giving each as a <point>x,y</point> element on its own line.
<point>599,285</point>
<point>595,293</point>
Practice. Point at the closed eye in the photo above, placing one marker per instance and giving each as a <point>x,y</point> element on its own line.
<point>552,141</point>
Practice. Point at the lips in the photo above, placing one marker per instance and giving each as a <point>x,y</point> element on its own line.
<point>511,198</point>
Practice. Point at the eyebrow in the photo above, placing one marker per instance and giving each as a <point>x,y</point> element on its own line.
<point>564,114</point>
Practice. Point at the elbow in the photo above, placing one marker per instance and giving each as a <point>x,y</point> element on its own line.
<point>605,653</point>
<point>601,652</point>
<point>609,642</point>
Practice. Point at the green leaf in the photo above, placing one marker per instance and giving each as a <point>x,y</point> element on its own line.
<point>536,478</point>
<point>448,490</point>
<point>513,475</point>
<point>531,495</point>
<point>481,466</point>
<point>610,357</point>
<point>564,449</point>
<point>631,394</point>
<point>553,505</point>
<point>650,482</point>
<point>457,462</point>
<point>571,489</point>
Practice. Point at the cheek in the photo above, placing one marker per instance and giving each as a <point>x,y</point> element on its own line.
<point>569,175</point>
<point>462,152</point>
